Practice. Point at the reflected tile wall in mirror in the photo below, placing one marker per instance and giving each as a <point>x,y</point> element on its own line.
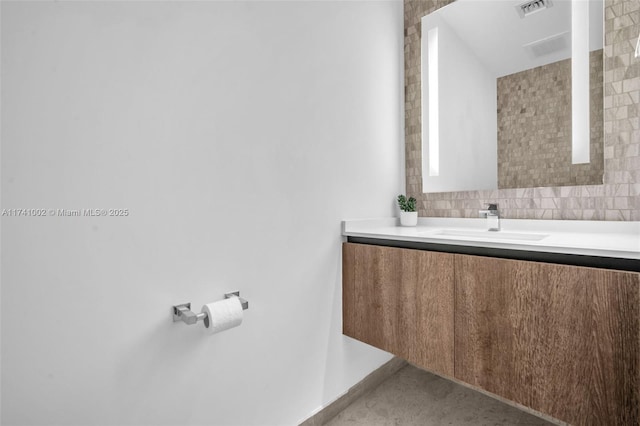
<point>534,127</point>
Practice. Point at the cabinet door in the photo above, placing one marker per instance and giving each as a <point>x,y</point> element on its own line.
<point>562,340</point>
<point>401,301</point>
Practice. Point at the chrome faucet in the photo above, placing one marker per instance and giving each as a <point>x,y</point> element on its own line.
<point>493,216</point>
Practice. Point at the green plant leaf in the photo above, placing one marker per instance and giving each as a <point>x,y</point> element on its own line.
<point>406,205</point>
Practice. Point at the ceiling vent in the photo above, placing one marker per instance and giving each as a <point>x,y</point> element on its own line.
<point>530,7</point>
<point>552,44</point>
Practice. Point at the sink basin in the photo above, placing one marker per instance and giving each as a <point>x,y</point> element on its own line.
<point>499,235</point>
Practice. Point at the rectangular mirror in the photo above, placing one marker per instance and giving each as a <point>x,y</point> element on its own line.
<point>506,101</point>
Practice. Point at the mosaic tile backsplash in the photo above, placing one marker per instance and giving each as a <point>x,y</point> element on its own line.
<point>617,199</point>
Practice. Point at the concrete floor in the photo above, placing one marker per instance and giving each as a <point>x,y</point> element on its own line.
<point>415,397</point>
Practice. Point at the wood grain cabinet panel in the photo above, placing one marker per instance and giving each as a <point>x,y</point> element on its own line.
<point>401,301</point>
<point>563,340</point>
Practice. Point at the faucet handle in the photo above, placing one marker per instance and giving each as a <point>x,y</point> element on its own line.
<point>491,210</point>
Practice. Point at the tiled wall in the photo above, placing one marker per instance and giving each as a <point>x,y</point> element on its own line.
<point>534,127</point>
<point>617,199</point>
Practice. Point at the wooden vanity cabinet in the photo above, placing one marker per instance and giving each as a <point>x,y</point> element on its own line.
<point>400,301</point>
<point>563,340</point>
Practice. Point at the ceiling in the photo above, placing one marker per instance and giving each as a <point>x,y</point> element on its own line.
<point>507,43</point>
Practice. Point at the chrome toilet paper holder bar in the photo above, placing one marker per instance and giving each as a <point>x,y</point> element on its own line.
<point>184,313</point>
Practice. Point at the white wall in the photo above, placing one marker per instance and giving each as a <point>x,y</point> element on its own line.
<point>238,135</point>
<point>468,116</point>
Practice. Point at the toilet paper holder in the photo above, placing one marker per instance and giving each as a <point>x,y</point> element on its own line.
<point>184,313</point>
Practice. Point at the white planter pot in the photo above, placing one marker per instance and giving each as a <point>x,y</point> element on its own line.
<point>408,218</point>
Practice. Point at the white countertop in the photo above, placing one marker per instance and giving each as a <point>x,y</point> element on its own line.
<point>591,238</point>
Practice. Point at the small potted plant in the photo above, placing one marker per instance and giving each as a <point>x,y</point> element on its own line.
<point>408,213</point>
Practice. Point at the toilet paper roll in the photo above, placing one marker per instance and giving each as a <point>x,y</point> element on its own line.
<point>223,315</point>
